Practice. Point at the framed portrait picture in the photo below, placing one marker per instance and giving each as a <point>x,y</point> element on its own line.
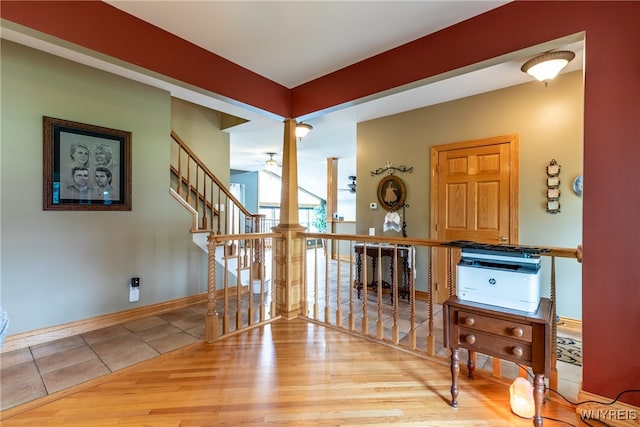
<point>391,193</point>
<point>85,167</point>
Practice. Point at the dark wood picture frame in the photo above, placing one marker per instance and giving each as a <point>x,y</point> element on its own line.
<point>85,167</point>
<point>391,193</point>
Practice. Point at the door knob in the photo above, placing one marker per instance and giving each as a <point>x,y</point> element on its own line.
<point>503,238</point>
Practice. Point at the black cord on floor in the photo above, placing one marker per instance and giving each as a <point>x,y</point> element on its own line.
<point>583,402</point>
<point>595,401</point>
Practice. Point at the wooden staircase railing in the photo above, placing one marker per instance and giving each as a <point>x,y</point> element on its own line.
<point>214,207</point>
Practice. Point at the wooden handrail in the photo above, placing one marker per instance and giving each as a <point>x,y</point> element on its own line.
<point>208,198</point>
<point>551,251</point>
<point>208,172</point>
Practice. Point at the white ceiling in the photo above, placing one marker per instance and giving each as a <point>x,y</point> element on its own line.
<point>292,42</point>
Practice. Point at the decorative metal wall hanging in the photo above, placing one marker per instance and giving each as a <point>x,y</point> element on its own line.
<point>390,169</point>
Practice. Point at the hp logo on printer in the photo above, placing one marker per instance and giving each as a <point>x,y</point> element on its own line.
<point>492,281</point>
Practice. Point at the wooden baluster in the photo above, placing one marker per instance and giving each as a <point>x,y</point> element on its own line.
<point>365,289</point>
<point>197,191</point>
<point>431,340</point>
<point>211,204</point>
<point>395,289</point>
<point>252,245</point>
<point>179,189</point>
<point>304,297</point>
<point>327,309</point>
<point>450,272</point>
<point>189,179</point>
<point>256,247</point>
<point>352,318</point>
<point>553,379</point>
<point>230,215</point>
<point>379,323</point>
<point>211,323</point>
<point>273,286</point>
<point>238,284</point>
<point>225,294</point>
<point>245,254</point>
<point>204,200</point>
<point>316,303</point>
<point>218,209</point>
<point>339,284</point>
<point>412,300</point>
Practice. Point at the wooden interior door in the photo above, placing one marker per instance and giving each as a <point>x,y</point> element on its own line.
<point>474,194</point>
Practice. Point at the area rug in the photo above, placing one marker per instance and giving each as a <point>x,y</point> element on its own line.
<point>569,350</point>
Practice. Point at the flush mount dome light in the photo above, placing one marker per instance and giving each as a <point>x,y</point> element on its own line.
<point>547,65</point>
<point>302,129</point>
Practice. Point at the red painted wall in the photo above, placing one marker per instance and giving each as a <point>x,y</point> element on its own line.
<point>611,235</point>
<point>105,29</point>
<point>611,204</point>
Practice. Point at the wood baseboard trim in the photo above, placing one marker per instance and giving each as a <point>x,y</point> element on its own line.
<point>570,325</point>
<point>422,295</point>
<point>40,336</point>
<point>618,414</point>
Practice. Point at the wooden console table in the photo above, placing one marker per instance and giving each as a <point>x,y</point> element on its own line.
<point>403,254</point>
<point>523,338</point>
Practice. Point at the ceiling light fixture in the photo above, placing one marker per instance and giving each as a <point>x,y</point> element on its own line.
<point>271,165</point>
<point>546,66</point>
<point>302,129</point>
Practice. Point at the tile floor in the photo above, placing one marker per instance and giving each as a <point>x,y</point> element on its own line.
<point>34,372</point>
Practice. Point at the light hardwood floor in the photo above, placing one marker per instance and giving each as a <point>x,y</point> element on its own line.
<point>286,373</point>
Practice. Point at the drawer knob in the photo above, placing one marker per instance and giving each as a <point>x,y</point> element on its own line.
<point>517,332</point>
<point>517,351</point>
<point>469,321</point>
<point>470,339</point>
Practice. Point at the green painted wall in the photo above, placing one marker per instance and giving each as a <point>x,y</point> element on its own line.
<point>549,122</point>
<point>64,266</point>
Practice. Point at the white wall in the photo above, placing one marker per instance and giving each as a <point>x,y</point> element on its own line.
<point>63,266</point>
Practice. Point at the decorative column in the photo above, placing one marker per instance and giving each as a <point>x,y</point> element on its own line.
<point>332,188</point>
<point>332,202</point>
<point>289,250</point>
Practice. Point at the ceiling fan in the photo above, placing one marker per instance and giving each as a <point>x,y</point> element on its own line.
<point>351,187</point>
<point>271,164</point>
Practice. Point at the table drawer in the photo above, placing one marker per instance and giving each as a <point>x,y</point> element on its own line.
<point>493,325</point>
<point>503,348</point>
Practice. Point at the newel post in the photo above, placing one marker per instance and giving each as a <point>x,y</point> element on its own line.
<point>289,249</point>
<point>211,321</point>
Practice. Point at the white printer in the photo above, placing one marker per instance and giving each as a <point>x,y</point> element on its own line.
<point>502,275</point>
